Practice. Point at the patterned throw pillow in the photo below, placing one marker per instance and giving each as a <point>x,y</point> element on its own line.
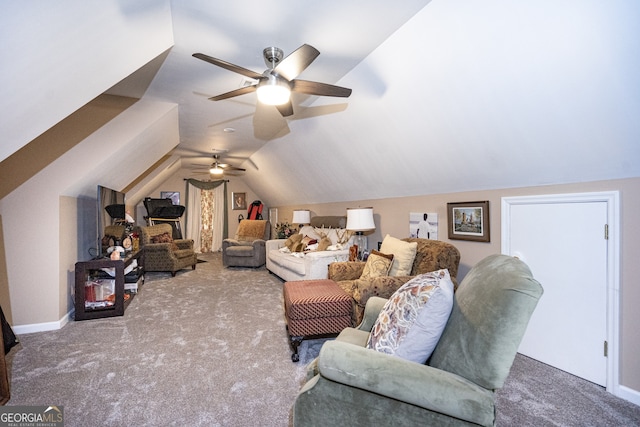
<point>164,238</point>
<point>412,320</point>
<point>378,264</point>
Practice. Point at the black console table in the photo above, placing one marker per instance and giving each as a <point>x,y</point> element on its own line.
<point>86,271</point>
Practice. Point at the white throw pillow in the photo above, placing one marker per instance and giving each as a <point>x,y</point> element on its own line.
<point>413,319</point>
<point>403,255</point>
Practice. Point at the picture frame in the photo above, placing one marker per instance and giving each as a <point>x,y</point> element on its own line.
<point>173,195</point>
<point>469,221</point>
<point>239,201</point>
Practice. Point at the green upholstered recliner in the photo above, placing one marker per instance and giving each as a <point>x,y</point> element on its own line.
<point>350,384</point>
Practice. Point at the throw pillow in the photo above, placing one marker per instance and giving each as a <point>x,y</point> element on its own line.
<point>403,255</point>
<point>293,240</point>
<point>306,240</point>
<point>323,244</point>
<point>164,238</point>
<point>378,264</point>
<point>412,320</point>
<point>250,230</point>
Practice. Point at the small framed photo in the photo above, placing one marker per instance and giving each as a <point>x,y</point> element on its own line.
<point>239,201</point>
<point>469,221</point>
<point>173,195</point>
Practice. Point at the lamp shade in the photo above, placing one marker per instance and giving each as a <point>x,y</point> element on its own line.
<point>360,219</point>
<point>301,217</point>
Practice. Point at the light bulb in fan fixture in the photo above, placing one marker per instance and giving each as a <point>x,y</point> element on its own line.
<point>273,91</point>
<point>216,170</point>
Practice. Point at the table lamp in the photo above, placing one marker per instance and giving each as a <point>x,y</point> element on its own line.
<point>301,217</point>
<point>360,220</point>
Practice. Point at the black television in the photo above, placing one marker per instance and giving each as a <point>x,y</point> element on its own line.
<point>111,210</point>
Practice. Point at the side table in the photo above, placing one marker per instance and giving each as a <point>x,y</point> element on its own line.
<point>84,272</point>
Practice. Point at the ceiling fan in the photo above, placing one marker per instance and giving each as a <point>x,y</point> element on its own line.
<point>274,85</point>
<point>218,168</point>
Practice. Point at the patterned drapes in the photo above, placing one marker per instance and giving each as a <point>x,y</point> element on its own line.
<point>209,208</point>
<point>206,230</point>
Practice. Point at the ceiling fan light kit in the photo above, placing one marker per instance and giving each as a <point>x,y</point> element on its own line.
<point>273,91</point>
<point>275,85</point>
<point>216,170</point>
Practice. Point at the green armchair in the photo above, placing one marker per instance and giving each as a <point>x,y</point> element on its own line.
<point>456,386</point>
<point>431,255</point>
<point>163,253</point>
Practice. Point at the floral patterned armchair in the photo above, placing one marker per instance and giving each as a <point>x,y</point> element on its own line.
<point>163,253</point>
<point>431,255</point>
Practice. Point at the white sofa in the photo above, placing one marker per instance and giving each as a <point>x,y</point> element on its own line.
<point>309,264</point>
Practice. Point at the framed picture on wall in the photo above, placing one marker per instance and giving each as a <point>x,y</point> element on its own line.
<point>469,221</point>
<point>239,201</point>
<point>173,195</point>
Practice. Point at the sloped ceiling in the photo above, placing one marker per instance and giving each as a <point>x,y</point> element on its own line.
<point>448,95</point>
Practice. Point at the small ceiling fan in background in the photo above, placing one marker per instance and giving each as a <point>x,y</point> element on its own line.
<point>218,168</point>
<point>274,85</point>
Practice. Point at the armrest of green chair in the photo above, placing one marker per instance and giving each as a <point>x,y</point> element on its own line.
<point>421,385</point>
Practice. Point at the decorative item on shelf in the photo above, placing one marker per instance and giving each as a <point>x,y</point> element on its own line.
<point>360,220</point>
<point>301,217</point>
<point>135,239</point>
<point>284,230</point>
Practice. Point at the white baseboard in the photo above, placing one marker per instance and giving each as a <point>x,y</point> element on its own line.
<point>629,394</point>
<point>41,327</point>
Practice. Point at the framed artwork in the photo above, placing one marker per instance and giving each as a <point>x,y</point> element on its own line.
<point>469,221</point>
<point>239,201</point>
<point>423,225</point>
<point>173,195</point>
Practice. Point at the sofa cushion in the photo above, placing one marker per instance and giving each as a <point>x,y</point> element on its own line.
<point>403,255</point>
<point>378,264</point>
<point>412,320</point>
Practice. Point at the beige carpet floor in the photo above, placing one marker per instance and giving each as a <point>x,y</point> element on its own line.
<point>209,348</point>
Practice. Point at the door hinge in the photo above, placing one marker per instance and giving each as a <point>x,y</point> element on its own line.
<point>606,349</point>
<point>606,232</point>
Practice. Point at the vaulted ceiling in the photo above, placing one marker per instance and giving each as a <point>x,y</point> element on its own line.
<point>448,96</point>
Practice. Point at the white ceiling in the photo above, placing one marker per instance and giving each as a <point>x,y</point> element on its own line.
<point>448,95</point>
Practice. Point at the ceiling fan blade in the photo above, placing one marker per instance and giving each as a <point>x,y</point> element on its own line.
<point>236,92</point>
<point>228,167</point>
<point>321,89</point>
<point>228,66</point>
<point>285,109</point>
<point>297,61</point>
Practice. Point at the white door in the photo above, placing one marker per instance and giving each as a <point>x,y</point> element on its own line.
<point>564,244</point>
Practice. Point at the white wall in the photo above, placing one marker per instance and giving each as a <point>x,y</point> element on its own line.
<point>60,55</point>
<point>41,234</point>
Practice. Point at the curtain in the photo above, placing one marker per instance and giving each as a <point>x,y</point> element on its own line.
<point>219,220</point>
<point>194,223</point>
<point>206,217</point>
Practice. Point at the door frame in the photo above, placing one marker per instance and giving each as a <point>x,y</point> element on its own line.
<point>612,198</point>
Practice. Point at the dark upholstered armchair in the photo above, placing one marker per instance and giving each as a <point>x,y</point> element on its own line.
<point>163,253</point>
<point>247,249</point>
<point>431,255</point>
<point>491,310</point>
